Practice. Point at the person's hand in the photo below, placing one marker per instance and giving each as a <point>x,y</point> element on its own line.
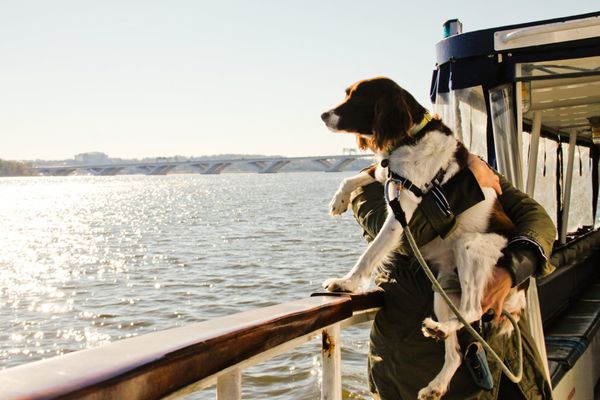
<point>484,174</point>
<point>496,291</point>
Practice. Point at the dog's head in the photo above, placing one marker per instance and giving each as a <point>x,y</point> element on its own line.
<point>378,111</point>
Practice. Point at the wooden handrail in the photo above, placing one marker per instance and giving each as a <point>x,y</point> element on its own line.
<point>154,365</point>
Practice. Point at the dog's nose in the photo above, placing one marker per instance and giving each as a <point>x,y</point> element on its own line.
<point>325,116</point>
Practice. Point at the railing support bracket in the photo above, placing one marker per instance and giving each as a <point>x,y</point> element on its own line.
<point>332,364</point>
<point>229,385</point>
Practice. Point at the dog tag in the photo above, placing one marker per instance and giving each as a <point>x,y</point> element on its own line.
<point>478,366</point>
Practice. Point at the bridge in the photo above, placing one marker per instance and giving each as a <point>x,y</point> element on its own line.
<point>334,163</point>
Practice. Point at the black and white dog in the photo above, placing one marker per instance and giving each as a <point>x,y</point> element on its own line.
<point>417,149</point>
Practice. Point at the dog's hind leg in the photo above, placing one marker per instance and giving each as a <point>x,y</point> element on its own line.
<point>476,256</point>
<point>452,358</point>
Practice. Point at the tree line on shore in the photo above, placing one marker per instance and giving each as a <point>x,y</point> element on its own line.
<point>14,168</point>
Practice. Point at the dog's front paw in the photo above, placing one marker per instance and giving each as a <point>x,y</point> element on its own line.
<point>430,393</point>
<point>341,284</point>
<point>339,203</point>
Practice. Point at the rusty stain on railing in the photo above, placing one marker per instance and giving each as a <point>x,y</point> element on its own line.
<point>328,344</point>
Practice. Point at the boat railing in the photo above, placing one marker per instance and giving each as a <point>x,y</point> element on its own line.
<point>178,361</point>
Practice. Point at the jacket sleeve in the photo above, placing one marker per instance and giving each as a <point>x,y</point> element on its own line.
<point>369,209</point>
<point>529,250</point>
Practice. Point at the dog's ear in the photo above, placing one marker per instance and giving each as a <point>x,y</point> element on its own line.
<point>392,120</point>
<point>363,143</point>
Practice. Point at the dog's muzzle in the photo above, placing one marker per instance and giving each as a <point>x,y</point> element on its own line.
<point>331,119</point>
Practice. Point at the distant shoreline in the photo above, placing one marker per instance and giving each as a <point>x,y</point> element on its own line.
<point>14,168</point>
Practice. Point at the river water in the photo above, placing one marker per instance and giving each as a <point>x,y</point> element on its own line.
<point>85,261</point>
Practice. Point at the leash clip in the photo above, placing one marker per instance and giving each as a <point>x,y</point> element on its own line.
<point>409,187</point>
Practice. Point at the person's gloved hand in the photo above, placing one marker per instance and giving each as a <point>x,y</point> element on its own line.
<point>519,261</point>
<point>520,258</point>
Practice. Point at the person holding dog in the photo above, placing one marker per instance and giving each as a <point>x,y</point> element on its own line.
<point>401,359</point>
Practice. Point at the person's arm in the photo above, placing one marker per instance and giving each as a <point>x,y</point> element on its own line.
<point>369,209</point>
<point>531,247</point>
<point>528,251</point>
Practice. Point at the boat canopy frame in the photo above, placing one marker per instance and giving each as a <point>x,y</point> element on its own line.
<point>471,59</point>
<point>509,63</point>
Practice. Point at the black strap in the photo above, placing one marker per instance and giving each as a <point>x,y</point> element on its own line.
<point>398,211</point>
<point>406,183</point>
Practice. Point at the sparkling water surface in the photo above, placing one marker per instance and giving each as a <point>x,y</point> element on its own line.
<point>85,261</point>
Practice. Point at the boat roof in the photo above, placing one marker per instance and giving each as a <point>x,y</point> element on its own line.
<point>558,60</point>
<point>484,43</point>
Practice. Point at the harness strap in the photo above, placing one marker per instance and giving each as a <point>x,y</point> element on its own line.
<point>398,212</point>
<point>409,185</point>
<point>405,182</point>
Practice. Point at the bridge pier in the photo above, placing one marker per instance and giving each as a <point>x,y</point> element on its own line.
<point>338,166</point>
<point>57,171</point>
<point>107,171</point>
<point>214,168</point>
<point>156,169</point>
<point>269,167</point>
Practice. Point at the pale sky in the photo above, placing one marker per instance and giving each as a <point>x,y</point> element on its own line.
<point>147,78</point>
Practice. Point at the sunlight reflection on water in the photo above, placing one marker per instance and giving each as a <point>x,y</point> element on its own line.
<point>89,260</point>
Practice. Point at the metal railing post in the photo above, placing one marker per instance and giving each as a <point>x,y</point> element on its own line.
<point>534,315</point>
<point>568,184</point>
<point>332,364</point>
<point>534,146</point>
<point>229,385</point>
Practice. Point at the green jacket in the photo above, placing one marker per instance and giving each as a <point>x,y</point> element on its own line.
<point>401,360</point>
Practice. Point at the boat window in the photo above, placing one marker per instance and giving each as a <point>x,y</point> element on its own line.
<point>508,151</point>
<point>580,211</point>
<point>545,177</point>
<point>565,95</point>
<point>464,112</point>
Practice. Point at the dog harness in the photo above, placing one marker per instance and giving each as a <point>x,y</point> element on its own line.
<point>403,183</point>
